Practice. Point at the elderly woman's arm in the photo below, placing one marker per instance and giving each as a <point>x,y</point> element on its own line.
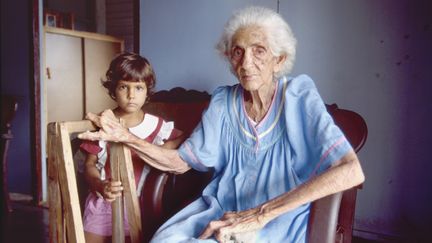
<point>162,158</point>
<point>344,174</point>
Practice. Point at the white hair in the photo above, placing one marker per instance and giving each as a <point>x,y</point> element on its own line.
<point>280,37</point>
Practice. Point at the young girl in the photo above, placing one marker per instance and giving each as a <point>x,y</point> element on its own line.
<point>129,80</point>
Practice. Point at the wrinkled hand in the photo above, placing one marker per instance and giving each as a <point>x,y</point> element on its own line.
<point>111,128</point>
<point>111,190</point>
<point>234,227</point>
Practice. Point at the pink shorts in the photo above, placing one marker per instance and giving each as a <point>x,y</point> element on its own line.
<point>97,216</point>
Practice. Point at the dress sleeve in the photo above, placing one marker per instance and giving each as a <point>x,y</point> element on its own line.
<point>203,149</point>
<point>86,147</point>
<point>90,147</point>
<point>167,131</point>
<point>175,133</point>
<point>316,140</point>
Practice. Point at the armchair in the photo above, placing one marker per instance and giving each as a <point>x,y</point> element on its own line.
<point>331,218</point>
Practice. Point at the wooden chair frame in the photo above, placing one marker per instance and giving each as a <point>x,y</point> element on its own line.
<point>64,206</point>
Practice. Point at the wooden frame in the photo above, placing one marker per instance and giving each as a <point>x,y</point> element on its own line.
<point>64,207</point>
<point>36,139</point>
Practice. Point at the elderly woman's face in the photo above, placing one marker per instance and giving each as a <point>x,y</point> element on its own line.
<point>251,58</point>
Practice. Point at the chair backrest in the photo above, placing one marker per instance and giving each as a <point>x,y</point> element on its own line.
<point>64,206</point>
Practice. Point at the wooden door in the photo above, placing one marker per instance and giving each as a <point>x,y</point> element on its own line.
<point>64,77</point>
<point>75,64</point>
<point>97,57</point>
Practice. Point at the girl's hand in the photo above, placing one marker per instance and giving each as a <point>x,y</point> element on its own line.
<point>235,227</point>
<point>110,190</point>
<point>111,128</point>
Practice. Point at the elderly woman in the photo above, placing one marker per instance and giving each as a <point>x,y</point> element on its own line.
<point>269,139</point>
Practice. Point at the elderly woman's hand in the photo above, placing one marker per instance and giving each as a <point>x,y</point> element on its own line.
<point>111,128</point>
<point>235,227</point>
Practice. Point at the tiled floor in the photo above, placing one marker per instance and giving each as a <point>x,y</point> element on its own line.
<point>27,223</point>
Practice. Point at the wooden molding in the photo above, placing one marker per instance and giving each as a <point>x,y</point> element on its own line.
<point>82,34</point>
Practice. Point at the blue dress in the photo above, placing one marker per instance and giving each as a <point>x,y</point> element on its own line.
<point>254,163</point>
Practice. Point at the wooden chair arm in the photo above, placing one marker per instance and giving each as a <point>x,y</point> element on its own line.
<point>326,211</point>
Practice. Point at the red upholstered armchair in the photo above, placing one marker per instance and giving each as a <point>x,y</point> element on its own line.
<point>164,194</point>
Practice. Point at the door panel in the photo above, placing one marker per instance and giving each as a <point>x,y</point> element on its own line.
<point>98,55</point>
<point>64,77</point>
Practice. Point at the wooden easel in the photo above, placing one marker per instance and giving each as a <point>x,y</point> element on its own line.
<point>64,207</point>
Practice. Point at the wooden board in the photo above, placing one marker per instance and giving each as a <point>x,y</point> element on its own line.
<point>65,214</point>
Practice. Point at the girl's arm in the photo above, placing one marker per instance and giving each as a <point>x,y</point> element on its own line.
<point>92,174</point>
<point>175,143</point>
<point>164,159</point>
<point>344,174</point>
<point>109,190</point>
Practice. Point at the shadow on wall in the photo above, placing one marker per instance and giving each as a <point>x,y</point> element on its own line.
<point>415,215</point>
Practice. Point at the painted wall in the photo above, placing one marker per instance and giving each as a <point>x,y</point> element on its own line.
<point>16,77</point>
<point>179,38</point>
<point>369,56</point>
<point>374,57</point>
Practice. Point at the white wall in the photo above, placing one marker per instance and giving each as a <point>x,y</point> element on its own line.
<point>179,38</point>
<point>369,56</point>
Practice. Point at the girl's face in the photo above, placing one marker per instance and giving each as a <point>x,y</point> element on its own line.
<point>130,96</point>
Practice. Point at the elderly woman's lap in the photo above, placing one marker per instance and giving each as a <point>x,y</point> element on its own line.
<point>189,223</point>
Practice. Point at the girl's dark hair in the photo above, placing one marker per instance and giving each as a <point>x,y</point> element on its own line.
<point>130,67</point>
